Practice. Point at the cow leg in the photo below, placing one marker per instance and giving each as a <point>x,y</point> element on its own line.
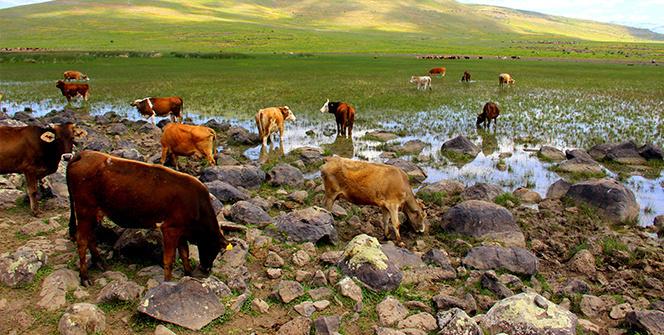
<point>171,241</point>
<point>85,240</point>
<point>386,222</point>
<point>183,248</point>
<point>395,223</point>
<point>31,181</point>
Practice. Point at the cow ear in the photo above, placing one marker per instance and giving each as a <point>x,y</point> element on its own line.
<point>47,137</point>
<point>79,133</point>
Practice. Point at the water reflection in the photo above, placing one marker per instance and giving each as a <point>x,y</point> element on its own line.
<point>489,141</point>
<point>272,154</point>
<point>342,147</point>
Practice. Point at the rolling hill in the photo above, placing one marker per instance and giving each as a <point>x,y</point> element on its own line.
<point>367,26</point>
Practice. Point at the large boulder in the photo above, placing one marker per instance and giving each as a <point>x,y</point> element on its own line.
<point>312,224</point>
<point>482,191</point>
<point>284,174</point>
<point>364,260</point>
<point>240,135</point>
<point>245,212</point>
<point>612,200</point>
<point>624,152</point>
<point>415,173</point>
<point>481,219</point>
<point>189,303</point>
<point>552,153</point>
<point>21,267</point>
<point>513,259</point>
<point>651,151</point>
<point>461,146</point>
<point>529,314</point>
<point>449,187</point>
<point>225,192</point>
<point>652,322</point>
<point>578,161</point>
<point>410,147</point>
<point>247,176</point>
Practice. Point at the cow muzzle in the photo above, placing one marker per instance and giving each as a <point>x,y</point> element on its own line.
<point>67,157</point>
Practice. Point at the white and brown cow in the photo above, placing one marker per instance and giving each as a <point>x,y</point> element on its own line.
<point>75,75</point>
<point>270,120</point>
<point>343,113</point>
<point>366,183</point>
<point>185,140</point>
<point>422,82</point>
<point>505,79</point>
<point>149,107</point>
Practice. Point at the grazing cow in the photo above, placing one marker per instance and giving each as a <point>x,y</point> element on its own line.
<point>421,82</point>
<point>436,71</point>
<point>505,79</point>
<point>343,113</point>
<point>149,107</point>
<point>490,111</point>
<point>366,183</point>
<point>270,120</point>
<point>185,140</point>
<point>70,90</point>
<point>36,152</point>
<point>139,195</point>
<point>75,75</point>
<point>466,76</point>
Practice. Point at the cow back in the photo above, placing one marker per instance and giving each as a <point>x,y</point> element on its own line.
<point>185,139</point>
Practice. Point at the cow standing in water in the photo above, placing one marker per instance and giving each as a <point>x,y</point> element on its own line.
<point>149,107</point>
<point>343,113</point>
<point>489,112</point>
<point>71,90</point>
<point>270,120</point>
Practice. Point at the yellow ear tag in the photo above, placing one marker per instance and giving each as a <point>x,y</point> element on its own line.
<point>229,247</point>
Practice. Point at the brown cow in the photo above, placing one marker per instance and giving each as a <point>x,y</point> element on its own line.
<point>69,75</point>
<point>36,152</point>
<point>270,120</point>
<point>436,71</point>
<point>366,183</point>
<point>70,90</point>
<point>505,79</point>
<point>343,113</point>
<point>490,111</point>
<point>466,76</point>
<point>185,140</point>
<point>149,107</point>
<point>139,195</point>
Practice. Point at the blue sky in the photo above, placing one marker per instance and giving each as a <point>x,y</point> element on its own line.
<point>636,13</point>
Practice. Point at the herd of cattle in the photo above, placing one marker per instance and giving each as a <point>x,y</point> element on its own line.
<point>504,79</point>
<point>138,195</point>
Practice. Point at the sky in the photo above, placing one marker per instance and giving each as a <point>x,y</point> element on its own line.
<point>636,13</point>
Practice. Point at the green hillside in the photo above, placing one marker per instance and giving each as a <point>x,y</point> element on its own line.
<point>363,26</point>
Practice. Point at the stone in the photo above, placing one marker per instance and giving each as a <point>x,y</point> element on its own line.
<point>301,258</point>
<point>527,196</point>
<point>436,257</point>
<point>649,321</point>
<point>240,135</point>
<point>591,306</point>
<point>284,174</point>
<point>448,187</point>
<point>401,257</point>
<point>260,306</point>
<point>225,192</point>
<point>583,262</point>
<point>140,244</point>
<point>21,267</point>
<point>612,200</point>
<point>558,189</point>
<point>491,282</point>
<point>410,147</point>
<point>349,289</point>
<point>460,145</point>
<point>390,311</point>
<point>482,191</point>
<point>55,287</point>
<point>651,151</point>
<point>247,176</point>
<point>415,173</point>
<point>305,308</point>
<point>287,291</point>
<point>552,153</point>
<point>571,285</point>
<point>423,321</point>
<point>273,260</point>
<point>297,326</point>
<point>382,135</point>
<point>364,260</point>
<point>82,318</point>
<point>321,293</point>
<point>120,291</point>
<point>327,325</point>
<point>513,259</point>
<point>455,322</point>
<point>428,274</point>
<point>620,311</point>
<point>245,212</point>
<point>578,161</point>
<point>311,157</point>
<point>481,219</point>
<point>312,224</point>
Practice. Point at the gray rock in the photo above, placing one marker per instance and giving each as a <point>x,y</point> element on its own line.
<point>612,200</point>
<point>390,311</point>
<point>245,212</point>
<point>225,192</point>
<point>149,128</point>
<point>189,303</point>
<point>428,274</point>
<point>527,196</point>
<point>449,187</point>
<point>55,287</point>
<point>571,285</point>
<point>21,267</point>
<point>82,318</point>
<point>651,151</point>
<point>348,288</point>
<point>558,189</point>
<point>591,306</point>
<point>140,244</point>
<point>120,291</point>
<point>513,259</point>
<point>482,191</point>
<point>327,325</point>
<point>312,224</point>
<point>382,135</point>
<point>240,135</point>
<point>490,281</point>
<point>423,321</point>
<point>578,161</point>
<point>456,322</point>
<point>311,157</point>
<point>284,174</point>
<point>117,129</point>
<point>520,315</point>
<point>650,321</point>
<point>297,326</point>
<point>101,144</point>
<point>287,291</point>
<point>436,257</point>
<point>583,262</point>
<point>481,219</point>
<point>401,257</point>
<point>624,152</point>
<point>415,173</point>
<point>214,124</point>
<point>247,176</point>
<point>364,260</point>
<point>461,146</point>
<point>9,197</point>
<point>552,153</point>
<point>410,147</point>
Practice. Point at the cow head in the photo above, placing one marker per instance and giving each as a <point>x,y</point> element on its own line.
<point>64,136</point>
<point>60,84</point>
<point>288,115</point>
<point>325,108</point>
<point>417,217</point>
<point>209,247</point>
<point>413,79</point>
<point>480,119</point>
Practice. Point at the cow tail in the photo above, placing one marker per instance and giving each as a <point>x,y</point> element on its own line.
<point>214,145</point>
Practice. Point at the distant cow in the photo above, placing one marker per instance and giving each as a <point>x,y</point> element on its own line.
<point>343,113</point>
<point>270,120</point>
<point>490,111</point>
<point>70,90</point>
<point>505,79</point>
<point>139,195</point>
<point>366,183</point>
<point>436,71</point>
<point>466,76</point>
<point>75,75</point>
<point>186,140</point>
<point>36,152</point>
<point>149,107</point>
<point>422,82</point>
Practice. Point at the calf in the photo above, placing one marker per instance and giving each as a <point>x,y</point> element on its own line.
<point>343,113</point>
<point>149,107</point>
<point>505,79</point>
<point>436,71</point>
<point>70,90</point>
<point>270,120</point>
<point>186,140</point>
<point>421,82</point>
<point>466,76</point>
<point>490,111</point>
<point>139,195</point>
<point>365,183</point>
<point>36,152</point>
<point>75,75</point>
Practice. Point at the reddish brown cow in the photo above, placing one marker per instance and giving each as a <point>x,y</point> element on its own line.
<point>366,183</point>
<point>466,76</point>
<point>186,140</point>
<point>270,120</point>
<point>139,195</point>
<point>436,71</point>
<point>343,113</point>
<point>75,75</point>
<point>149,107</point>
<point>70,90</point>
<point>490,111</point>
<point>36,152</point>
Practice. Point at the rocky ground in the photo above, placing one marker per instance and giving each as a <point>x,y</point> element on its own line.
<point>563,266</point>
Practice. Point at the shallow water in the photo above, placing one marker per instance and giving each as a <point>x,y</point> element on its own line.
<point>560,126</point>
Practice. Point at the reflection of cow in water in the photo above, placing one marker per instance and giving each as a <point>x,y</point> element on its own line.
<point>342,147</point>
<point>274,154</point>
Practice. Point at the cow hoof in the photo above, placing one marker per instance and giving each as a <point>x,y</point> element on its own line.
<point>86,282</point>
